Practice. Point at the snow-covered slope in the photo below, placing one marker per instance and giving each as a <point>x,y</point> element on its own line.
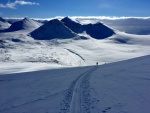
<point>19,51</point>
<point>4,24</point>
<point>52,29</point>
<point>24,24</point>
<point>17,47</point>
<point>97,30</point>
<point>130,39</point>
<point>55,43</point>
<point>121,87</point>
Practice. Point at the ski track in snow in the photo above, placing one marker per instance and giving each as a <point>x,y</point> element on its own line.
<point>77,99</point>
<point>75,53</point>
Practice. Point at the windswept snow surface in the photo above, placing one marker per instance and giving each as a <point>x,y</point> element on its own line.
<point>121,87</point>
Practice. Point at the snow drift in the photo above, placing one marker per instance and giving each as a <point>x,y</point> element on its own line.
<point>52,29</point>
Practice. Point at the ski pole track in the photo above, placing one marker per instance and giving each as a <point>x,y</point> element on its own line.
<point>77,99</point>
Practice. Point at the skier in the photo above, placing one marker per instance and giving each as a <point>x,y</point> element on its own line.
<point>96,63</point>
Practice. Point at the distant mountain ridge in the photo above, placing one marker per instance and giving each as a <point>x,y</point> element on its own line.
<point>63,29</point>
<point>67,28</point>
<point>131,25</point>
<point>98,30</point>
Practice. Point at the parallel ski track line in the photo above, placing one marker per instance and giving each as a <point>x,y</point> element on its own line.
<point>77,99</point>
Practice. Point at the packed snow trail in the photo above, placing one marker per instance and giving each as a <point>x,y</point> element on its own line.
<point>37,92</point>
<point>77,98</point>
<point>121,87</point>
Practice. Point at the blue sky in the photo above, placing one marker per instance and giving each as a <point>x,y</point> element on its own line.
<point>52,8</point>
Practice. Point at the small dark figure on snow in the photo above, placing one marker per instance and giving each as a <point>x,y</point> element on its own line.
<point>96,63</point>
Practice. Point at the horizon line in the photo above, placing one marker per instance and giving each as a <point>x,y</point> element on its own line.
<point>84,17</point>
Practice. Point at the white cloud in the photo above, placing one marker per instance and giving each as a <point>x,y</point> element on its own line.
<point>85,17</point>
<point>107,17</point>
<point>93,17</point>
<point>13,5</point>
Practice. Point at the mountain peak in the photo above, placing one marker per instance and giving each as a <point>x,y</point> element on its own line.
<point>26,23</point>
<point>98,30</point>
<point>26,19</point>
<point>52,29</point>
<point>54,21</point>
<point>73,25</point>
<point>68,20</point>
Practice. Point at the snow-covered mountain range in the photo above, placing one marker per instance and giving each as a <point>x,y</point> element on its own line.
<point>97,30</point>
<point>68,42</point>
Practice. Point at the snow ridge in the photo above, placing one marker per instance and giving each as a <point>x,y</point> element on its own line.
<point>97,30</point>
<point>74,26</point>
